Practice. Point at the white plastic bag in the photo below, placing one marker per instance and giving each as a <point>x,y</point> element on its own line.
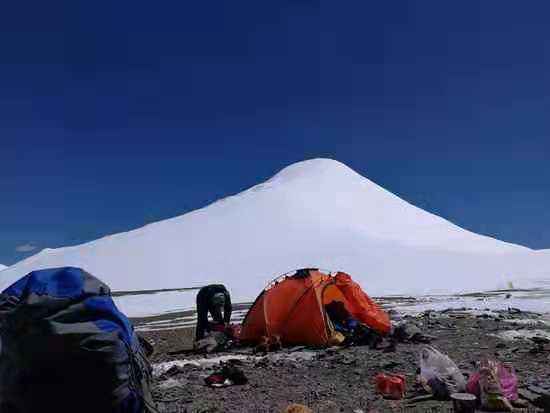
<point>434,364</point>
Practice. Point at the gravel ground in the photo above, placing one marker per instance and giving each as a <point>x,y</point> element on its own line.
<point>340,379</point>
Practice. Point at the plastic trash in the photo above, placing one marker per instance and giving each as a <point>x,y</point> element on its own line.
<point>508,381</point>
<point>496,380</point>
<point>233,331</point>
<point>228,376</point>
<point>436,365</point>
<point>391,386</point>
<point>214,341</point>
<point>491,391</point>
<point>464,402</point>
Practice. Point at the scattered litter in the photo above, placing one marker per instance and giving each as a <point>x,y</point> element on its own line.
<point>503,374</point>
<point>213,342</point>
<point>441,373</point>
<point>464,402</point>
<point>391,386</point>
<point>496,383</point>
<point>203,363</point>
<point>229,375</point>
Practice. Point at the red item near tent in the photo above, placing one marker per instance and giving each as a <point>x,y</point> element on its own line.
<point>233,331</point>
<point>391,386</point>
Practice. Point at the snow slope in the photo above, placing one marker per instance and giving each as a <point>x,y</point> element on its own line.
<point>316,213</point>
<point>2,267</point>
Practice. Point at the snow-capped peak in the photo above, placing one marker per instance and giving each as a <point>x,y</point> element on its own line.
<point>316,213</point>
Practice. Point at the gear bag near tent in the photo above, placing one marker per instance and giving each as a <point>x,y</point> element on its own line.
<point>65,347</point>
<point>293,307</point>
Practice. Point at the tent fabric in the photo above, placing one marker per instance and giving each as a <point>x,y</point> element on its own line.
<point>294,309</point>
<point>361,306</point>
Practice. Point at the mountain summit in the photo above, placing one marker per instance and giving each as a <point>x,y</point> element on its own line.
<point>335,192</point>
<point>315,213</point>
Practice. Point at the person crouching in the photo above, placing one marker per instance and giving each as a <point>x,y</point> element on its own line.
<point>213,299</point>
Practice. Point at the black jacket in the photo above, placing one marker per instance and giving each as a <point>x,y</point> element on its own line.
<point>203,307</point>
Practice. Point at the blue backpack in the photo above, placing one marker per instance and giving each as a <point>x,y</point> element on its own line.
<point>65,347</point>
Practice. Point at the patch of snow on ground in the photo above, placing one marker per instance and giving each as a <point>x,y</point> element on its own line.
<point>478,305</point>
<point>170,383</point>
<point>160,368</point>
<point>527,321</point>
<point>303,355</point>
<point>510,335</point>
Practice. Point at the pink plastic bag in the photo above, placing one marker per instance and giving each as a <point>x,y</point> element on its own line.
<point>508,381</point>
<point>507,378</point>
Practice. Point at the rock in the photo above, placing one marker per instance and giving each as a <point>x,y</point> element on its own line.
<point>390,348</point>
<point>541,400</point>
<point>175,370</point>
<point>404,332</point>
<point>326,407</point>
<point>297,408</point>
<point>520,403</point>
<point>540,340</point>
<point>347,361</point>
<point>390,365</point>
<point>419,399</point>
<point>536,389</point>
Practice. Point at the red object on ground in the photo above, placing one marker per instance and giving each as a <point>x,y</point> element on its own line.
<point>233,331</point>
<point>215,379</point>
<point>391,386</point>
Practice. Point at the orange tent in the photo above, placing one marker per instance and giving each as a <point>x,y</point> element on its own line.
<point>293,307</point>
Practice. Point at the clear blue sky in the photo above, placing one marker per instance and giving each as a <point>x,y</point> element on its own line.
<point>114,114</point>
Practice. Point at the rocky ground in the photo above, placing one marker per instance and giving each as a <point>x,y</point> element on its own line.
<point>340,379</point>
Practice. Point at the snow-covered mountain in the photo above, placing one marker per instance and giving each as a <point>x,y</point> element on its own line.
<point>316,213</point>
<point>2,267</point>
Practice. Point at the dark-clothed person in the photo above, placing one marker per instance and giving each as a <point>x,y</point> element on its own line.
<point>212,299</point>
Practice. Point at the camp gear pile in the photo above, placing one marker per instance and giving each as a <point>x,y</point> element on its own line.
<point>66,348</point>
